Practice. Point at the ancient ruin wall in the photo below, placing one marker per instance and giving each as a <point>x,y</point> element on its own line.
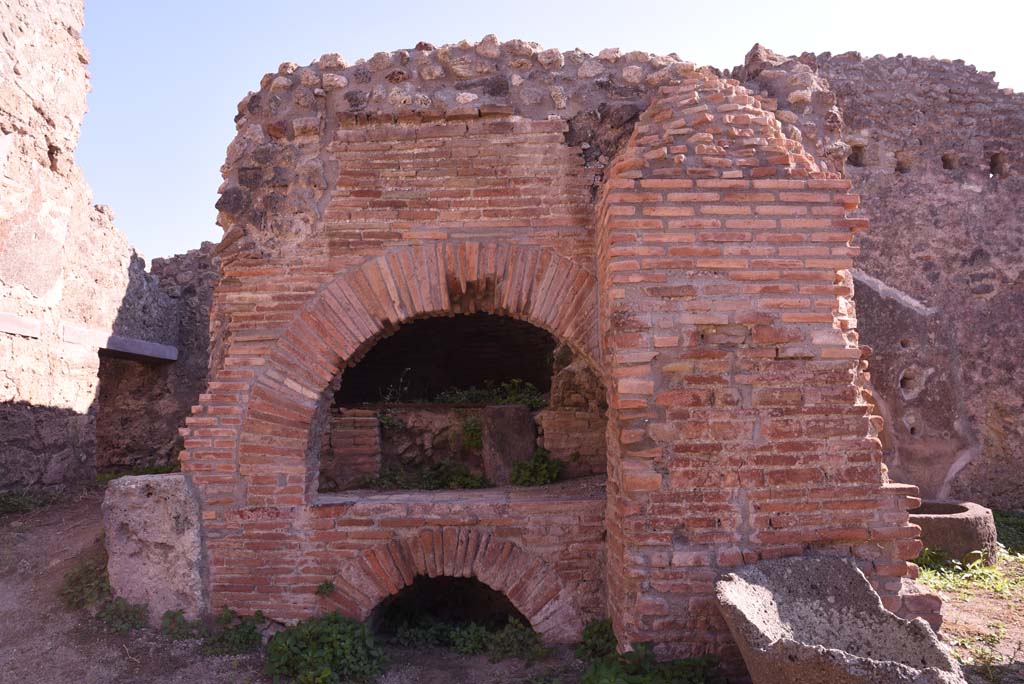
<point>738,430</point>
<point>939,152</point>
<point>934,147</point>
<point>695,261</point>
<point>141,404</point>
<point>64,268</point>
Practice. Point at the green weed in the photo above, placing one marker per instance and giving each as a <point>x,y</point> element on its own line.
<point>516,640</point>
<point>540,469</point>
<point>443,475</point>
<point>121,616</point>
<point>641,667</point>
<point>1010,530</point>
<point>943,573</point>
<point>389,421</point>
<point>234,634</point>
<point>511,392</point>
<point>325,650</point>
<point>87,583</point>
<point>425,633</point>
<point>979,651</point>
<point>177,627</point>
<point>470,639</point>
<point>473,434</point>
<point>598,640</point>
<point>24,500</point>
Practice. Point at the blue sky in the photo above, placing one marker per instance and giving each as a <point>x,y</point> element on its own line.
<point>167,76</point>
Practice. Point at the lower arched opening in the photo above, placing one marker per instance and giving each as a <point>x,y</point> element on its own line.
<point>431,604</point>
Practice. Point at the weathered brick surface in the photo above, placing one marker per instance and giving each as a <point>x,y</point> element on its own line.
<point>543,549</point>
<point>738,430</point>
<point>576,437</point>
<point>353,450</point>
<point>934,147</point>
<point>706,284</point>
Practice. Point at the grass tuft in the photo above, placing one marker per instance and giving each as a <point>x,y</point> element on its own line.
<point>24,500</point>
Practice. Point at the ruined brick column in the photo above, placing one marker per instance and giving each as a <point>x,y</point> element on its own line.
<point>737,429</point>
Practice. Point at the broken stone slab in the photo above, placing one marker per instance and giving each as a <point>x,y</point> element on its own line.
<point>153,542</point>
<point>509,435</point>
<point>818,621</point>
<point>131,347</point>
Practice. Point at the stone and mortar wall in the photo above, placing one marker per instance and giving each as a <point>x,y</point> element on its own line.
<point>68,278</point>
<point>941,174</point>
<point>935,148</point>
<point>142,404</point>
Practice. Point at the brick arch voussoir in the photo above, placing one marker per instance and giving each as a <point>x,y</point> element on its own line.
<point>529,583</point>
<point>372,300</point>
<point>361,305</point>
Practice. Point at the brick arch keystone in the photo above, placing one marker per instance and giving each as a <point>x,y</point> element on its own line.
<point>530,584</point>
<point>361,305</point>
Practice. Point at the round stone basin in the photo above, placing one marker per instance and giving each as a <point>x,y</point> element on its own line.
<point>939,508</point>
<point>961,529</point>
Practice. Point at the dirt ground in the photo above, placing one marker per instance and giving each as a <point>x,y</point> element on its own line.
<point>43,642</point>
<point>986,630</point>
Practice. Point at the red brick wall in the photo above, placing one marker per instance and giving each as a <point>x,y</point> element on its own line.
<point>707,292</point>
<point>353,449</point>
<point>737,429</point>
<point>474,179</point>
<point>544,552</point>
<point>250,443</point>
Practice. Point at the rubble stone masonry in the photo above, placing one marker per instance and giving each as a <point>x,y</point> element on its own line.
<point>86,333</point>
<point>142,404</point>
<point>935,149</point>
<point>942,154</point>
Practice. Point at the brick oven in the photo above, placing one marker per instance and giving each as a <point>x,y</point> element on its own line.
<point>653,217</point>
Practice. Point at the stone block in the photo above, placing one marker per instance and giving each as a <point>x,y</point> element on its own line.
<point>153,543</point>
<point>818,621</point>
<point>958,528</point>
<point>510,435</point>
